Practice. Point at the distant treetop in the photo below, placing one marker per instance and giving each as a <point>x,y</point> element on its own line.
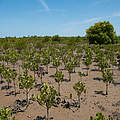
<point>101,33</point>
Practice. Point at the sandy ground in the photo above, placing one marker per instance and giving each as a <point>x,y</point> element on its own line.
<point>94,101</point>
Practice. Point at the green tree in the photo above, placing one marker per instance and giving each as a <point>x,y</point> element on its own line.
<point>79,87</point>
<point>80,74</point>
<point>27,83</point>
<point>103,64</point>
<point>46,62</point>
<point>101,33</point>
<point>14,75</point>
<point>107,77</point>
<point>87,62</point>
<point>56,62</point>
<point>7,75</point>
<point>59,77</point>
<point>99,116</point>
<point>47,97</point>
<point>1,69</point>
<point>69,68</point>
<point>56,38</point>
<point>34,67</point>
<point>6,114</point>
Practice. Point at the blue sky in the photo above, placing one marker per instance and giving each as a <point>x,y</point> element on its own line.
<point>51,17</point>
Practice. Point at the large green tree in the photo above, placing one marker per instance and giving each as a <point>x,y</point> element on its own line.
<point>101,33</point>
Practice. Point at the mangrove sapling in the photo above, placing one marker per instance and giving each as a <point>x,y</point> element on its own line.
<point>118,57</point>
<point>110,56</point>
<point>6,114</point>
<point>69,68</point>
<point>41,73</point>
<point>79,88</point>
<point>103,64</point>
<point>87,62</point>
<point>6,56</point>
<point>56,63</point>
<point>65,60</point>
<point>80,74</point>
<point>7,75</point>
<point>26,65</point>
<point>13,57</point>
<point>100,116</point>
<point>26,82</point>
<point>75,63</point>
<point>78,58</point>
<point>47,97</point>
<point>107,77</point>
<point>59,77</point>
<point>34,67</point>
<point>14,75</point>
<point>1,69</point>
<point>46,62</point>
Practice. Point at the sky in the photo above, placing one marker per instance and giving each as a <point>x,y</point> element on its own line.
<point>51,17</point>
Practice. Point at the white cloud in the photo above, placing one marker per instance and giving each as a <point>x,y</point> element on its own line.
<point>99,2</point>
<point>44,4</point>
<point>84,22</point>
<point>117,14</point>
<point>47,9</point>
<point>52,10</point>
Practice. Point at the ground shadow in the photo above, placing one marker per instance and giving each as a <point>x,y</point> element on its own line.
<point>100,92</point>
<point>52,76</point>
<point>95,70</point>
<point>38,86</point>
<point>12,93</point>
<point>1,82</point>
<point>66,80</point>
<point>62,69</point>
<point>84,68</point>
<point>18,106</point>
<point>116,83</point>
<point>42,118</point>
<point>5,87</point>
<point>95,65</point>
<point>52,67</point>
<point>97,78</point>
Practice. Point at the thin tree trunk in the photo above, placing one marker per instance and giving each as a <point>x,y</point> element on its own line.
<point>88,70</point>
<point>48,114</point>
<point>34,75</point>
<point>8,85</point>
<point>56,69</point>
<point>14,87</point>
<point>59,88</point>
<point>69,76</point>
<point>3,63</point>
<point>47,69</point>
<point>41,78</point>
<point>19,69</point>
<point>0,78</point>
<point>79,62</point>
<point>74,69</point>
<point>107,88</point>
<point>27,100</point>
<point>13,66</point>
<point>79,101</point>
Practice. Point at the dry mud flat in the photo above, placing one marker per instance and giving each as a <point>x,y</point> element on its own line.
<point>92,102</point>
